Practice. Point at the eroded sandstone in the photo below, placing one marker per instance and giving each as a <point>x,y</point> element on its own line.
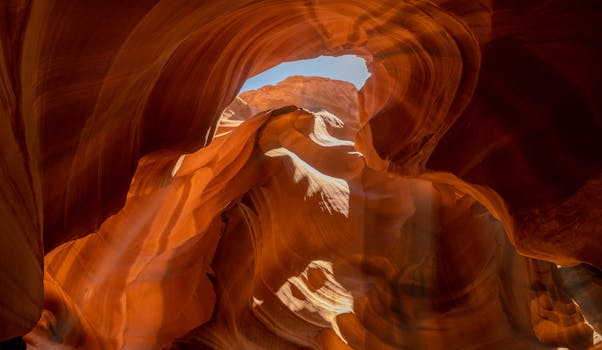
<point>454,204</point>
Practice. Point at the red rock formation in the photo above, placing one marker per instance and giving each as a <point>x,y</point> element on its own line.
<point>417,222</point>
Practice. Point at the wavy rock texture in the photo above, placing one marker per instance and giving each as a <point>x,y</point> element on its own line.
<point>453,202</point>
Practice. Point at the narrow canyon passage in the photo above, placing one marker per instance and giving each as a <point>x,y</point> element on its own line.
<point>452,201</point>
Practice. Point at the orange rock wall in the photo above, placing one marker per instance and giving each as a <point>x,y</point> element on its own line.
<point>482,116</point>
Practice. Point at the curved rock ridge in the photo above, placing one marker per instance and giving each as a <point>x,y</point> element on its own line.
<point>454,201</point>
<point>408,263</point>
<point>370,259</point>
<point>279,235</point>
<point>144,277</point>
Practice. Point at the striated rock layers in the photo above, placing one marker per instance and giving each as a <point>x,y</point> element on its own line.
<point>453,202</point>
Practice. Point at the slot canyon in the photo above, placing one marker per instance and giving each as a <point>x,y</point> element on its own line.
<point>452,202</point>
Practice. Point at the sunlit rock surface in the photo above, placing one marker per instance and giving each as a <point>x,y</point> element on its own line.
<point>453,202</point>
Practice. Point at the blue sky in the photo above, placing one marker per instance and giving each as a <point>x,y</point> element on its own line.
<point>347,67</point>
